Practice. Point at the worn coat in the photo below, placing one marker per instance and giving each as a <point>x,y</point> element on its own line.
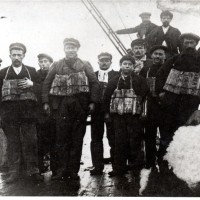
<point>157,36</point>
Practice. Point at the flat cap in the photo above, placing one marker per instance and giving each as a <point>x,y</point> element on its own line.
<point>71,41</point>
<point>166,13</point>
<point>43,55</point>
<point>127,57</point>
<point>145,14</point>
<point>189,35</point>
<point>17,45</point>
<point>155,47</point>
<point>105,55</point>
<point>137,42</point>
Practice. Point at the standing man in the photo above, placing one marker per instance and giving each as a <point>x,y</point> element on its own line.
<point>165,35</point>
<point>18,112</point>
<point>143,29</point>
<point>104,75</point>
<point>46,126</point>
<point>177,84</point>
<point>123,100</point>
<point>139,54</point>
<point>74,89</point>
<point>155,115</point>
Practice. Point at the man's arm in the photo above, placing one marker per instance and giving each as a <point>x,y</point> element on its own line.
<point>128,30</point>
<point>47,84</point>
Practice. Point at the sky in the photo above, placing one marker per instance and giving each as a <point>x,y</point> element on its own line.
<point>43,25</point>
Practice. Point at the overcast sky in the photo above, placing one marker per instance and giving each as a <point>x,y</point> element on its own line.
<point>43,25</point>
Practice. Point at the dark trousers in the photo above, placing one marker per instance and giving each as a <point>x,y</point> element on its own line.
<point>128,141</point>
<point>22,146</point>
<point>46,143</point>
<point>174,117</point>
<point>70,131</point>
<point>96,145</point>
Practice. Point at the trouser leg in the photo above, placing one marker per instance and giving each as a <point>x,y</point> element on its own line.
<point>150,143</point>
<point>120,155</point>
<point>12,132</point>
<point>96,145</point>
<point>28,135</point>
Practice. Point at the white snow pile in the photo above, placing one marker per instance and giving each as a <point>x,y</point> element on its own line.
<point>183,154</point>
<point>144,177</point>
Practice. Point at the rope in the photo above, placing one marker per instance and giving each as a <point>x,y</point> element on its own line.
<point>120,18</point>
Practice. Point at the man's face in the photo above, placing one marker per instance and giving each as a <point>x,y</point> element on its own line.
<point>126,66</point>
<point>70,50</point>
<point>166,20</point>
<point>158,56</point>
<point>138,51</point>
<point>16,56</point>
<point>104,63</point>
<point>145,18</point>
<point>189,43</point>
<point>44,64</point>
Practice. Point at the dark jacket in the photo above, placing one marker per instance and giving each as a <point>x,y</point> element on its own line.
<point>63,67</point>
<point>187,61</point>
<point>139,86</point>
<point>143,29</point>
<point>157,36</point>
<point>16,110</point>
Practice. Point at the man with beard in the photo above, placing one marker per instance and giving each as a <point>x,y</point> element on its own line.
<point>155,115</point>
<point>46,127</point>
<point>123,100</point>
<point>104,75</point>
<point>165,35</point>
<point>18,113</point>
<point>177,84</point>
<point>139,54</point>
<point>143,29</point>
<point>74,89</point>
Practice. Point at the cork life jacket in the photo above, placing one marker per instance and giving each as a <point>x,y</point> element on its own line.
<point>125,101</point>
<point>180,82</point>
<point>11,91</point>
<point>151,82</point>
<point>69,85</point>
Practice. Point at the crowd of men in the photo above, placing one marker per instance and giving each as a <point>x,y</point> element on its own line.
<point>157,87</point>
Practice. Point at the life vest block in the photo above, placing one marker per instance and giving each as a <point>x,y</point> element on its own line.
<point>69,85</point>
<point>125,101</point>
<point>180,82</point>
<point>11,91</point>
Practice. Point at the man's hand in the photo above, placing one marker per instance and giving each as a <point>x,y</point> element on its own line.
<point>107,117</point>
<point>194,119</point>
<point>161,96</point>
<point>91,108</point>
<point>25,83</point>
<point>46,108</point>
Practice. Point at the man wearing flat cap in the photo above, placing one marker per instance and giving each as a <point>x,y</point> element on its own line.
<point>165,35</point>
<point>74,90</point>
<point>138,47</point>
<point>154,114</point>
<point>143,29</point>
<point>123,101</point>
<point>19,84</point>
<point>177,85</point>
<point>46,128</point>
<point>104,75</point>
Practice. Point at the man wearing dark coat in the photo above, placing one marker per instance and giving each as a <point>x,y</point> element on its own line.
<point>74,90</point>
<point>165,35</point>
<point>154,114</point>
<point>123,100</point>
<point>177,84</point>
<point>18,84</point>
<point>104,75</point>
<point>143,29</point>
<point>46,126</point>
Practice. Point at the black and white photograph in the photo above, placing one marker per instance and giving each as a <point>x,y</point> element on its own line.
<point>100,98</point>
